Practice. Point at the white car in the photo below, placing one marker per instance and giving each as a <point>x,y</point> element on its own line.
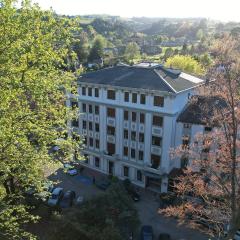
<point>69,169</point>
<point>55,197</point>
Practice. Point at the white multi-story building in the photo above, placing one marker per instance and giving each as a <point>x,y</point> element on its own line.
<point>129,119</point>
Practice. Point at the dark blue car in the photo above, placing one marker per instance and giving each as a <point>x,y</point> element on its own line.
<point>146,232</point>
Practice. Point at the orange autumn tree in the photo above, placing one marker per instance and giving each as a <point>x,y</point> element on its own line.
<point>212,177</point>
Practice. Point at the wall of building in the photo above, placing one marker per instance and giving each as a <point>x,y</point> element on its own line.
<point>170,132</point>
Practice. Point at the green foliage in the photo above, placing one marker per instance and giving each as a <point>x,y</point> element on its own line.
<point>132,51</point>
<point>81,47</point>
<point>185,63</point>
<point>97,48</point>
<point>34,48</point>
<point>108,216</point>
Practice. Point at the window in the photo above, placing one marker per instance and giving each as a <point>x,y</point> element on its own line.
<point>84,107</point>
<point>83,91</point>
<point>133,136</point>
<point>140,155</point>
<point>126,96</point>
<point>157,121</point>
<point>125,171</point>
<point>110,130</point>
<point>126,115</point>
<point>185,142</point>
<point>133,153</point>
<point>85,141</point>
<point>97,143</point>
<point>155,160</point>
<point>142,118</point>
<point>90,92</point>
<point>142,99</point>
<point>125,151</point>
<point>75,123</point>
<point>139,176</point>
<point>74,105</point>
<point>111,112</point>
<point>111,148</point>
<point>111,94</point>
<point>134,116</point>
<point>156,141</point>
<point>97,110</point>
<point>96,92</point>
<point>96,127</point>
<point>90,110</point>
<point>134,98</point>
<point>187,125</point>
<point>84,124</point>
<point>141,137</point>
<point>90,126</point>
<point>97,162</point>
<point>91,142</point>
<point>158,101</point>
<point>208,129</point>
<point>125,133</point>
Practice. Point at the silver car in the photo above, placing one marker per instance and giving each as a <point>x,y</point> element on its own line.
<point>55,197</point>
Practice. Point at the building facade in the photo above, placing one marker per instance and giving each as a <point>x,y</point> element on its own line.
<point>128,118</point>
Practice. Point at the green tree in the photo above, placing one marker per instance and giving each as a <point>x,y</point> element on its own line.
<point>96,51</point>
<point>185,63</point>
<point>132,51</point>
<point>108,216</point>
<point>33,48</point>
<point>81,47</point>
<point>169,52</point>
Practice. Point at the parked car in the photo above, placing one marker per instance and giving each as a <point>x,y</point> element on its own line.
<point>56,196</point>
<point>70,169</point>
<point>131,190</point>
<point>146,232</point>
<point>79,200</point>
<point>103,184</point>
<point>164,236</point>
<point>67,200</point>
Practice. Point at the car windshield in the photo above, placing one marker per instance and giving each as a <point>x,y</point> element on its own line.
<point>54,196</point>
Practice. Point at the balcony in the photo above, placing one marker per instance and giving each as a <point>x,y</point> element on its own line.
<point>84,132</point>
<point>111,121</point>
<point>90,134</point>
<point>97,119</point>
<point>125,142</point>
<point>110,139</point>
<point>156,150</point>
<point>141,146</point>
<point>141,128</point>
<point>97,135</point>
<point>159,170</point>
<point>126,124</point>
<point>133,126</point>
<point>83,116</point>
<point>90,117</point>
<point>133,144</point>
<point>157,131</point>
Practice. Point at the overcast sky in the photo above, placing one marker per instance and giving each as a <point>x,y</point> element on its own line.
<point>225,10</point>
